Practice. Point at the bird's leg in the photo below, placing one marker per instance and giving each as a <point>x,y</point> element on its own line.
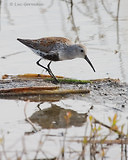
<point>51,73</point>
<point>47,69</point>
<point>40,64</point>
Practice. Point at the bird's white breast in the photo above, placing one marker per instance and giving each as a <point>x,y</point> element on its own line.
<point>38,52</point>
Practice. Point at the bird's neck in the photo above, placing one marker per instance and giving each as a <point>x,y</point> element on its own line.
<point>69,53</point>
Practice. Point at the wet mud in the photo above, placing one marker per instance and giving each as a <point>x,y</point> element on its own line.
<point>100,91</point>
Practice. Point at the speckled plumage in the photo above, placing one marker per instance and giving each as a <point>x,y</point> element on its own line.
<point>48,47</point>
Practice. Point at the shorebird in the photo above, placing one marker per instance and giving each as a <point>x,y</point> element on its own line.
<point>56,49</point>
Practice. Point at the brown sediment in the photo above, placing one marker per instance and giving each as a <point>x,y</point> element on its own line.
<point>105,80</point>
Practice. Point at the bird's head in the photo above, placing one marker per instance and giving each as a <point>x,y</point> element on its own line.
<point>81,52</point>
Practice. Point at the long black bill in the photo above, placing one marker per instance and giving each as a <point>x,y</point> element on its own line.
<point>86,58</point>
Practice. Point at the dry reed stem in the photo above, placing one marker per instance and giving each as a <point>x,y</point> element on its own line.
<point>110,128</point>
<point>21,92</point>
<point>29,75</point>
<point>108,142</point>
<point>28,89</point>
<point>27,119</point>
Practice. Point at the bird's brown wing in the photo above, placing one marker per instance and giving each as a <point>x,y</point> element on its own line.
<point>53,43</point>
<point>46,44</point>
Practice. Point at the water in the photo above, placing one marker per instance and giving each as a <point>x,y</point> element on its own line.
<point>93,24</point>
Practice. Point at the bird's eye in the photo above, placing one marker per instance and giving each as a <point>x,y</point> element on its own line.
<point>82,50</point>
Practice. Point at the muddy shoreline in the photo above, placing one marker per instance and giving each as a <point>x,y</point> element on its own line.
<point>101,91</point>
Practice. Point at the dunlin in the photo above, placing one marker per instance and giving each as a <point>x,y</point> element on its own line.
<point>56,49</point>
